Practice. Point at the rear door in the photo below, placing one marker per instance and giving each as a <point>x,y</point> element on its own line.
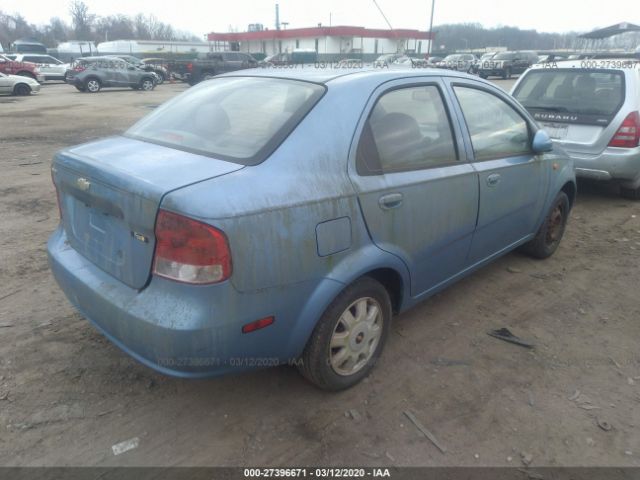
<point>418,195</point>
<point>579,108</point>
<point>513,180</point>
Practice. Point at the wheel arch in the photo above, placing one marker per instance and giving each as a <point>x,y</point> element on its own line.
<point>370,261</point>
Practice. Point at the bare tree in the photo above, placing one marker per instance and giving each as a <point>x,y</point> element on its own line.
<point>82,19</point>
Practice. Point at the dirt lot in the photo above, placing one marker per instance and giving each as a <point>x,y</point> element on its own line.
<point>67,395</point>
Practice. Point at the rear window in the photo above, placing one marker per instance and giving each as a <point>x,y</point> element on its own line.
<point>239,119</point>
<point>572,95</point>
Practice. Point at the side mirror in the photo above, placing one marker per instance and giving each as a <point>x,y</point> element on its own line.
<point>541,142</point>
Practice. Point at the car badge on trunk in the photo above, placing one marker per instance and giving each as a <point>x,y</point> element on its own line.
<point>83,184</point>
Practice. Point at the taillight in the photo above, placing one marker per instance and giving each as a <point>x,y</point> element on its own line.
<point>190,251</point>
<point>628,135</point>
<point>78,68</point>
<point>190,66</point>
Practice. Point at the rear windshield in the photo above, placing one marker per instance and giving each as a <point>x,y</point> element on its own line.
<point>239,119</point>
<point>578,96</point>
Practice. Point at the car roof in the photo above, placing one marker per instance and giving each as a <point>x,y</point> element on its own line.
<point>321,75</point>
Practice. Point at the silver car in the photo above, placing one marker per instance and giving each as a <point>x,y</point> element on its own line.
<point>590,108</point>
<point>18,85</point>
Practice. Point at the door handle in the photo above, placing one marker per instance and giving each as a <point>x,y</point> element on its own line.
<point>493,179</point>
<point>392,200</point>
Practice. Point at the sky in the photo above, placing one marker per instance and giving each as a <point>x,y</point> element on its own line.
<point>204,16</point>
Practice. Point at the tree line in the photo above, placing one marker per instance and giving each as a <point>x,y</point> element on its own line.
<point>88,26</point>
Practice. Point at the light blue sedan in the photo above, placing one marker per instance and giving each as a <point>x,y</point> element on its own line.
<point>266,218</point>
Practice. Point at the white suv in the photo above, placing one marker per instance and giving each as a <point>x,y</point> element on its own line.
<point>591,108</point>
<point>50,67</point>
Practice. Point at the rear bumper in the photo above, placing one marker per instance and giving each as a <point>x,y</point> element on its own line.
<point>177,329</point>
<point>618,164</point>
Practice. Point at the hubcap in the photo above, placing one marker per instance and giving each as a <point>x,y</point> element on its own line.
<point>93,86</point>
<point>554,229</point>
<point>147,85</point>
<point>356,336</point>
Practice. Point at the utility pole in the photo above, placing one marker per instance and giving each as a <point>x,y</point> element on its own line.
<point>433,6</point>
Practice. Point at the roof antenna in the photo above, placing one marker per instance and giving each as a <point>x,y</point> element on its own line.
<point>383,15</point>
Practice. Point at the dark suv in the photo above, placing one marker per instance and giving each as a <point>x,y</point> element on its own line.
<point>505,64</point>
<point>91,74</point>
<point>194,71</point>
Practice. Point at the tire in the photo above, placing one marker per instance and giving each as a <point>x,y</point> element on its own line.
<point>22,89</point>
<point>92,85</point>
<point>80,89</point>
<point>357,346</point>
<point>630,193</point>
<point>161,78</point>
<point>548,237</point>
<point>147,84</point>
<point>506,74</point>
<point>484,76</point>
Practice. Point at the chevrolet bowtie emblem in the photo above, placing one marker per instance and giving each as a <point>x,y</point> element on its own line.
<point>83,184</point>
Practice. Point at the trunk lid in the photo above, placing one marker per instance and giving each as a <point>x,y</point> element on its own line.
<point>110,191</point>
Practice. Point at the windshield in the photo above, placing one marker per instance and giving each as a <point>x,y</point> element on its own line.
<point>451,58</point>
<point>504,56</point>
<point>240,119</point>
<point>585,92</point>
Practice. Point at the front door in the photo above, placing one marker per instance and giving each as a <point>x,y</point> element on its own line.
<point>418,194</point>
<point>513,180</point>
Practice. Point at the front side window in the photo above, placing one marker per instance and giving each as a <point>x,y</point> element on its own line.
<point>496,129</point>
<point>240,119</point>
<point>408,129</point>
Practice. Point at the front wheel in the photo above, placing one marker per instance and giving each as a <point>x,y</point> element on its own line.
<point>349,337</point>
<point>546,241</point>
<point>147,85</point>
<point>22,89</point>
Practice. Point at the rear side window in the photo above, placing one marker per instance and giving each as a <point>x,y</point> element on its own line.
<point>240,119</point>
<point>496,129</point>
<point>572,95</point>
<point>408,129</point>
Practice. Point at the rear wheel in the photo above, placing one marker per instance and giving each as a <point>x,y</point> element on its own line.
<point>147,84</point>
<point>630,193</point>
<point>507,73</point>
<point>546,241</point>
<point>484,76</point>
<point>22,89</point>
<point>349,337</point>
<point>93,85</point>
